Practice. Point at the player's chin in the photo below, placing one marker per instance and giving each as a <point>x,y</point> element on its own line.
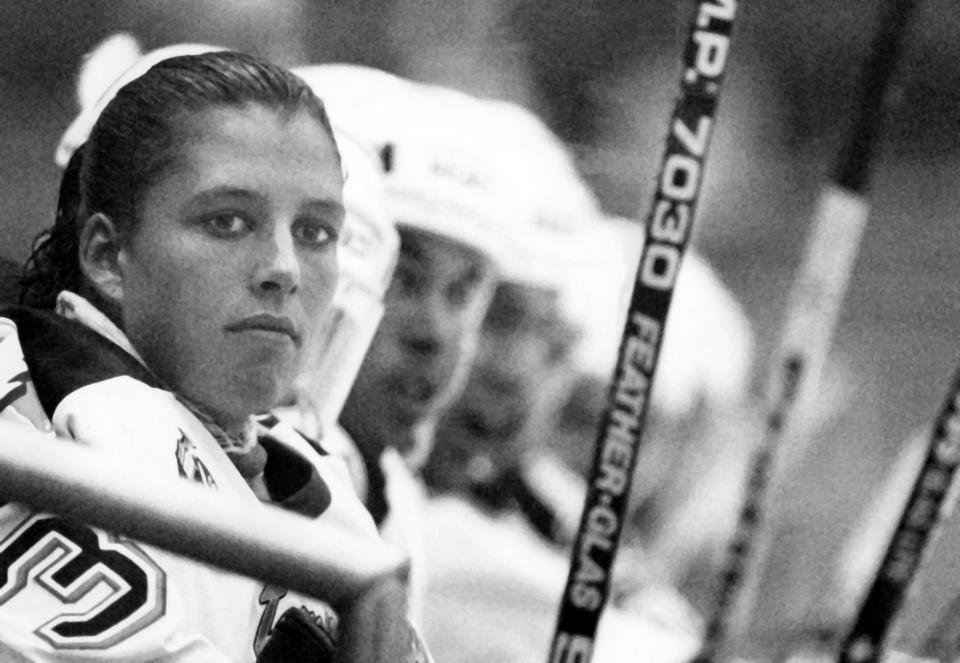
<point>259,388</point>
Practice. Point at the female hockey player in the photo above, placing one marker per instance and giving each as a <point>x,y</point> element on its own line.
<point>193,256</point>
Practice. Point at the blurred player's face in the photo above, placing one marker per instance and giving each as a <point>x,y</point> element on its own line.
<point>519,350</point>
<point>234,260</point>
<point>426,339</point>
<point>573,430</point>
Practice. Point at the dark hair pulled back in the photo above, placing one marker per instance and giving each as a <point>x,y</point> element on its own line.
<point>134,141</point>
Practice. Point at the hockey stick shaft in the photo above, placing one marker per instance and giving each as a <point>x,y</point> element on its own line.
<point>668,228</point>
<point>259,541</point>
<point>929,504</point>
<point>812,313</point>
<point>811,317</point>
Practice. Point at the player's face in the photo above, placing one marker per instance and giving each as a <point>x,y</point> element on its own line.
<point>518,353</point>
<point>234,260</point>
<point>433,311</point>
<point>573,429</point>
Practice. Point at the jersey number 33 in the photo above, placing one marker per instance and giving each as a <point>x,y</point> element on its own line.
<point>84,589</point>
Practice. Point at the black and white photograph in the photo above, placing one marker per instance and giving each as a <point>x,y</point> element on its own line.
<point>514,331</point>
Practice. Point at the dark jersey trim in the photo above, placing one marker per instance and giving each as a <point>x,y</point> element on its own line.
<point>64,355</point>
<point>292,480</point>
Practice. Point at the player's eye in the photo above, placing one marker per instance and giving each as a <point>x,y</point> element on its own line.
<point>459,293</point>
<point>314,233</point>
<point>465,287</point>
<point>226,224</point>
<point>408,279</point>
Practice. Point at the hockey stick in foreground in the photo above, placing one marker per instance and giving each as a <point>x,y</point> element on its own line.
<point>811,317</point>
<point>668,229</point>
<point>268,543</point>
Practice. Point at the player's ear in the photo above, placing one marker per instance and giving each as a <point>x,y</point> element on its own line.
<point>102,257</point>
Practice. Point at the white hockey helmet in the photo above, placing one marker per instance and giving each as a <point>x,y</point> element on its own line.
<point>549,235</point>
<point>111,64</point>
<point>435,182</point>
<point>542,167</point>
<point>708,344</point>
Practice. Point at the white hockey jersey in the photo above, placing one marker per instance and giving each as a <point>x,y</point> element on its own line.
<point>69,592</point>
<point>493,589</point>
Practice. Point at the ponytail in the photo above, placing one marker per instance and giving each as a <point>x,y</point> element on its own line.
<point>54,262</point>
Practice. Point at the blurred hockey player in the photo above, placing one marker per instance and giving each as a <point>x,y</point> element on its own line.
<point>446,211</point>
<point>530,329</point>
<point>700,426</point>
<point>502,504</point>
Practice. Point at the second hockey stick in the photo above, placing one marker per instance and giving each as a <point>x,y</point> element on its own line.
<point>930,502</point>
<point>811,316</point>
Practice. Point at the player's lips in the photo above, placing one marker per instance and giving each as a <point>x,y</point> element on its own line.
<point>276,324</point>
<point>498,426</point>
<point>417,392</point>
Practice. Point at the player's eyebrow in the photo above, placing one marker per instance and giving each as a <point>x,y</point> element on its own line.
<point>226,191</point>
<point>324,207</point>
<point>215,194</point>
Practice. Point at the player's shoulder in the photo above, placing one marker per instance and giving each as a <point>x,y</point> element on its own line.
<point>345,506</point>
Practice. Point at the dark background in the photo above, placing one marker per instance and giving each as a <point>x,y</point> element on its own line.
<point>604,75</point>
